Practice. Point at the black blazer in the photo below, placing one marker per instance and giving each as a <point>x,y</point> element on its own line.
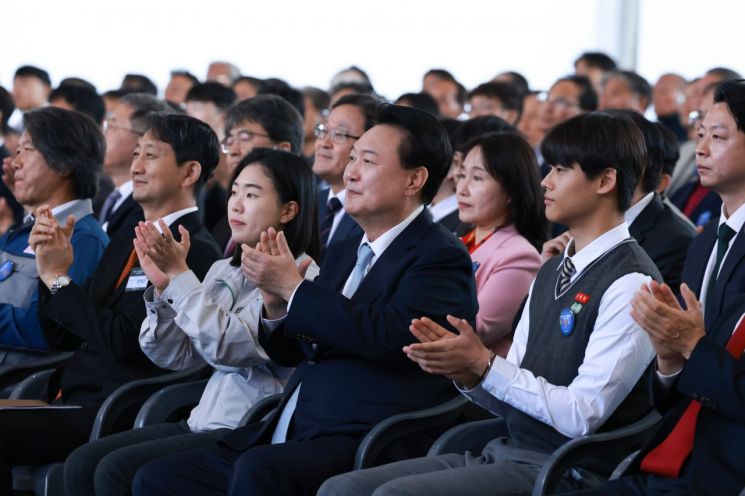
<point>101,323</point>
<point>124,219</point>
<point>665,236</point>
<point>347,227</point>
<point>717,380</point>
<point>731,281</point>
<point>452,223</point>
<point>348,351</point>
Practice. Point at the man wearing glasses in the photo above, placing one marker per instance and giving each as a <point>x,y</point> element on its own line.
<point>122,128</point>
<point>349,118</point>
<point>264,121</point>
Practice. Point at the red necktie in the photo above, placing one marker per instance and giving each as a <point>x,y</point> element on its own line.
<point>668,457</point>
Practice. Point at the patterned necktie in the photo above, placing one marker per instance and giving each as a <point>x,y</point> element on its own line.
<point>565,275</point>
<point>364,255</point>
<point>108,206</point>
<point>334,205</point>
<point>724,235</point>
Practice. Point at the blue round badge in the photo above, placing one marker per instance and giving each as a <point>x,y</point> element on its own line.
<point>566,321</point>
<point>6,269</point>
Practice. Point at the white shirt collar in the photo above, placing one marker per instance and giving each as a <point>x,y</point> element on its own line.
<point>736,220</point>
<point>443,207</point>
<point>173,217</point>
<point>126,191</point>
<point>600,245</point>
<point>384,240</point>
<point>634,210</point>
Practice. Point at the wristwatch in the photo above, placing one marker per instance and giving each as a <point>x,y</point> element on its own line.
<point>60,282</point>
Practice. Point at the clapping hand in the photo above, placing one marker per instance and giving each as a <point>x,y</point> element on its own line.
<point>51,245</point>
<point>461,357</point>
<point>168,255</point>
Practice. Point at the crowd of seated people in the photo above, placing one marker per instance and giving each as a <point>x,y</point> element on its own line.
<point>568,259</point>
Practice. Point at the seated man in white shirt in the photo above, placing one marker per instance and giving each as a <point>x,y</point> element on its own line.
<point>577,362</point>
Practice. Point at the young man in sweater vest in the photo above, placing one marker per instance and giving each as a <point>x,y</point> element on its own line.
<point>577,362</point>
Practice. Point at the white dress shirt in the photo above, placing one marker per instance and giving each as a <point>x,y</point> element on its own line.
<point>634,210</point>
<point>735,221</point>
<point>125,190</point>
<point>617,354</point>
<point>443,208</point>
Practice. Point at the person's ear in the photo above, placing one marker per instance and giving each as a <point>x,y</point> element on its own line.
<point>193,171</point>
<point>664,183</point>
<point>289,211</point>
<point>284,146</point>
<point>606,181</point>
<point>417,180</point>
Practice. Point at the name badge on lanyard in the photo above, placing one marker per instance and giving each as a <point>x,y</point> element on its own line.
<point>137,280</point>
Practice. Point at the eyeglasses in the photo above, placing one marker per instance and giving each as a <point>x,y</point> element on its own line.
<point>337,135</point>
<point>543,97</point>
<point>243,136</point>
<point>107,124</point>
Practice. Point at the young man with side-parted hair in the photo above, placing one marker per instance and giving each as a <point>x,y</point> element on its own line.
<point>577,361</point>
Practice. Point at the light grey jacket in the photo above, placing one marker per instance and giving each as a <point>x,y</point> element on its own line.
<point>215,322</point>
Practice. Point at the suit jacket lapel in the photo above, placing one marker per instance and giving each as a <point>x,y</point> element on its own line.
<point>731,262</point>
<point>646,219</point>
<point>700,255</point>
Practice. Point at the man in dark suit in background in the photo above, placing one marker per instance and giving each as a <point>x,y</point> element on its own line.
<point>346,330</point>
<point>350,117</point>
<point>100,319</point>
<point>663,233</point>
<point>120,213</point>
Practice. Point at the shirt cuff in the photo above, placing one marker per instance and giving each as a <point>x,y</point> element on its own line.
<point>179,288</point>
<point>292,296</point>
<point>496,381</point>
<point>666,380</point>
<point>271,324</point>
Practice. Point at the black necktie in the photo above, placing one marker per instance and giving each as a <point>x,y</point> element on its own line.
<point>108,206</point>
<point>724,235</point>
<point>334,205</point>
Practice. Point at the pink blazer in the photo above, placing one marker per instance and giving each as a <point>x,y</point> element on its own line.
<point>505,266</point>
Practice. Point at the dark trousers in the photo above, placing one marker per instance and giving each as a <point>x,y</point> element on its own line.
<point>106,467</point>
<point>638,485</point>
<point>39,436</point>
<point>293,468</point>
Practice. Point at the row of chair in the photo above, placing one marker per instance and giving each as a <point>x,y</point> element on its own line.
<point>169,398</point>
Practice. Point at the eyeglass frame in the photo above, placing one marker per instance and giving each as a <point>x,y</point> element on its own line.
<point>248,136</point>
<point>320,130</point>
<point>543,97</point>
<point>108,125</point>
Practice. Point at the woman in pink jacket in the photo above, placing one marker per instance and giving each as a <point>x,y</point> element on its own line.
<point>499,193</point>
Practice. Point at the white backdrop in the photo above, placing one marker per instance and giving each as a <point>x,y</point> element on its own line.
<point>395,41</point>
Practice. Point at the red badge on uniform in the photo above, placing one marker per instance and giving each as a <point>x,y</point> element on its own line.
<point>582,298</point>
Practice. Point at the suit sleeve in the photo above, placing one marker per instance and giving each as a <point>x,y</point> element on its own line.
<point>715,378</point>
<point>437,283</point>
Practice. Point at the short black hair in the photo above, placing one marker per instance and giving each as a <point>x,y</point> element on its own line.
<point>670,152</point>
<point>511,160</point>
<point>655,145</point>
<point>420,100</point>
<point>518,80</point>
<point>141,105</point>
<point>367,104</point>
<point>318,98</point>
<point>442,74</point>
<point>732,93</point>
<point>588,98</point>
<point>477,126</point>
<point>280,120</point>
<point>6,109</point>
<point>79,82</point>
<point>33,71</point>
<point>71,143</point>
<point>139,83</point>
<point>725,73</point>
<point>597,141</point>
<point>254,81</point>
<point>294,181</point>
<point>82,98</point>
<point>425,144</point>
<point>636,83</point>
<point>185,74</point>
<point>276,86</point>
<point>598,60</point>
<point>507,93</point>
<point>219,94</point>
<point>190,139</point>
<point>355,87</point>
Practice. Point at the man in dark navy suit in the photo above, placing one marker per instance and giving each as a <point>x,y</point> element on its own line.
<point>350,117</point>
<point>345,331</point>
<point>698,381</point>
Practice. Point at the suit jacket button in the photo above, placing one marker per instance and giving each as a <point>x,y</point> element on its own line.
<point>311,362</point>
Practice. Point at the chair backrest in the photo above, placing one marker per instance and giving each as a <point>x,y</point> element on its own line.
<point>118,411</point>
<point>471,436</point>
<point>261,409</point>
<point>167,402</point>
<point>33,387</point>
<point>11,375</point>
